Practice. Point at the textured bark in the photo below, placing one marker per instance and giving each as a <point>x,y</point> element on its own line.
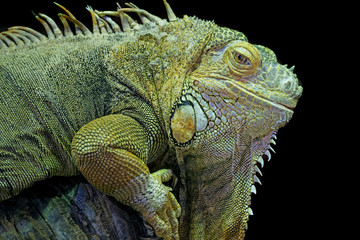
<point>69,208</point>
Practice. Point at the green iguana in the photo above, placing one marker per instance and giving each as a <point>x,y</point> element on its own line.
<point>108,103</point>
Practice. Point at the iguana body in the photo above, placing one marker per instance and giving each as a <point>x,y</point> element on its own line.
<point>107,104</point>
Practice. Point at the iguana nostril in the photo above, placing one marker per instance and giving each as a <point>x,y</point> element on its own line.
<point>287,86</point>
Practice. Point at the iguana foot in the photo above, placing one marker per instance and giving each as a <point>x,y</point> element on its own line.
<point>164,219</point>
<point>156,203</point>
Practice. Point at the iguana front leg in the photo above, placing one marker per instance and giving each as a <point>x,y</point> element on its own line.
<point>111,152</point>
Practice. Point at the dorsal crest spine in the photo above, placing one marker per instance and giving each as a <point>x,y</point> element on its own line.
<point>102,23</point>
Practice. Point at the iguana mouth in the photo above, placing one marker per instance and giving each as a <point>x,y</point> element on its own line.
<point>261,99</point>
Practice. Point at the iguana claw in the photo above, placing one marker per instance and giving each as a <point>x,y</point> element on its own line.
<point>164,218</point>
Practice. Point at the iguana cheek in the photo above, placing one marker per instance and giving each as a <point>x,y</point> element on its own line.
<point>183,123</point>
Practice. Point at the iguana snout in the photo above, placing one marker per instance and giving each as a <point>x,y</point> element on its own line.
<point>274,81</point>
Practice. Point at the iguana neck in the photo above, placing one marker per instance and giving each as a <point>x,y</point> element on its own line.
<point>215,195</point>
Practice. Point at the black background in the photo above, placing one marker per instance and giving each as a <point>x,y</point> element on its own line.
<point>296,199</point>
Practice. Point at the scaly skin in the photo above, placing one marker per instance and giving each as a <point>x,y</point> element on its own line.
<point>109,103</point>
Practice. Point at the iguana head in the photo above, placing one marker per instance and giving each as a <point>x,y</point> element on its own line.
<point>234,100</point>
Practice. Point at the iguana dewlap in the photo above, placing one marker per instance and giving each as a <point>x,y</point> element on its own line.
<point>108,102</point>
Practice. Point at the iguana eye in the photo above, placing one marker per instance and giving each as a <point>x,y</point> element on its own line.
<point>242,58</point>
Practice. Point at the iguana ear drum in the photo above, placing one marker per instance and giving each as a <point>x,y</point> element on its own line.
<point>183,123</point>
